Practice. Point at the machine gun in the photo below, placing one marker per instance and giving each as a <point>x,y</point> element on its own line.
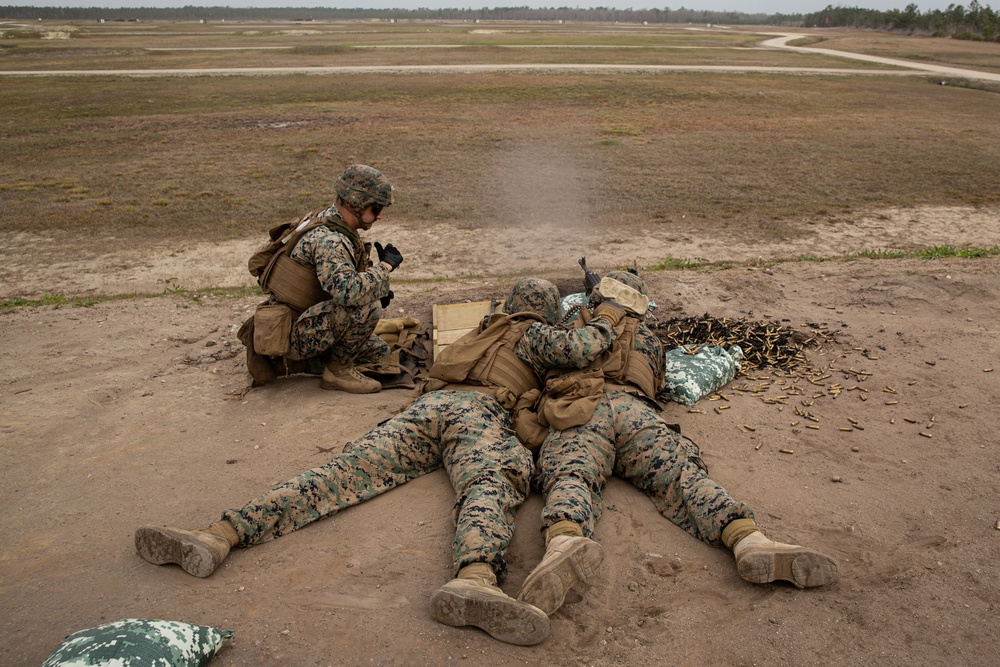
<point>590,279</point>
<point>631,300</point>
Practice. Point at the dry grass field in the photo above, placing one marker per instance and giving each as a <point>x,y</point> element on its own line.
<point>862,201</point>
<point>220,157</point>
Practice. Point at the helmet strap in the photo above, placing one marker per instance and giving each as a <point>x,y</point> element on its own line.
<point>344,207</point>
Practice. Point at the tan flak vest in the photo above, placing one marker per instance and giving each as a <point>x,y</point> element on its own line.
<point>292,282</point>
<point>570,398</point>
<point>622,367</point>
<point>484,360</point>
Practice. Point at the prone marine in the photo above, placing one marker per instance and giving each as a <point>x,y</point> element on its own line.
<point>465,419</point>
<point>616,430</point>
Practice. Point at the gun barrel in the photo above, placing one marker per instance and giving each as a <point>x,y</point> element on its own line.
<point>590,279</point>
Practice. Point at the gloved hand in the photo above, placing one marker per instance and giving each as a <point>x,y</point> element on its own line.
<point>610,311</point>
<point>633,301</point>
<point>389,255</point>
<point>386,299</point>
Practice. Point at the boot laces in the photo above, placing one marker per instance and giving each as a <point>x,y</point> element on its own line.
<point>353,371</point>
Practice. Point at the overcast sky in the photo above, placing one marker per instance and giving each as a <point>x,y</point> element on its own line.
<point>747,6</point>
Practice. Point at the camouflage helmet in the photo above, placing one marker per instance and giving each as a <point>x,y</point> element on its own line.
<point>630,279</point>
<point>361,186</point>
<point>534,295</point>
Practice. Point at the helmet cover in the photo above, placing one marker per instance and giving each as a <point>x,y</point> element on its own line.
<point>535,295</point>
<point>361,186</point>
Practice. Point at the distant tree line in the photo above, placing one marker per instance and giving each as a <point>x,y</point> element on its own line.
<point>573,14</point>
<point>975,22</point>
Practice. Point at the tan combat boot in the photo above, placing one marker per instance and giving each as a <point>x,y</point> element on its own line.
<point>570,560</point>
<point>473,598</point>
<point>198,552</point>
<point>260,366</point>
<point>340,376</point>
<point>760,560</point>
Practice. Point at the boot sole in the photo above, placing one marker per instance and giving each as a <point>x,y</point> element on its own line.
<point>161,546</point>
<point>803,567</point>
<point>504,618</point>
<point>547,585</point>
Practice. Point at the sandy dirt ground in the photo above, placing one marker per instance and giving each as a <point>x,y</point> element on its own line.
<point>138,412</point>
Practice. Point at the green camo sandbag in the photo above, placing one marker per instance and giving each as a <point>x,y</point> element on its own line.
<point>689,377</point>
<point>138,642</point>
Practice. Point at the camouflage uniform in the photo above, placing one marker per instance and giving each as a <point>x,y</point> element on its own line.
<point>342,327</point>
<point>626,437</point>
<point>466,431</point>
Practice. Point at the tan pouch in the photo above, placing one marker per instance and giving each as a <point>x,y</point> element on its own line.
<point>570,400</point>
<point>272,329</point>
<point>527,426</point>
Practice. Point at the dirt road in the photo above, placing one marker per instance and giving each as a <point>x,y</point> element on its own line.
<point>907,67</point>
<point>782,43</point>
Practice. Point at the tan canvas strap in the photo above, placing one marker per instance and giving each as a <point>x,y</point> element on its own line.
<point>458,386</point>
<point>261,261</point>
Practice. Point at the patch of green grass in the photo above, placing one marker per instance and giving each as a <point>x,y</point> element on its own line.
<point>172,286</point>
<point>934,252</point>
<point>58,300</point>
<point>46,300</point>
<point>879,253</point>
<point>946,251</point>
<point>676,263</point>
<point>609,142</point>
